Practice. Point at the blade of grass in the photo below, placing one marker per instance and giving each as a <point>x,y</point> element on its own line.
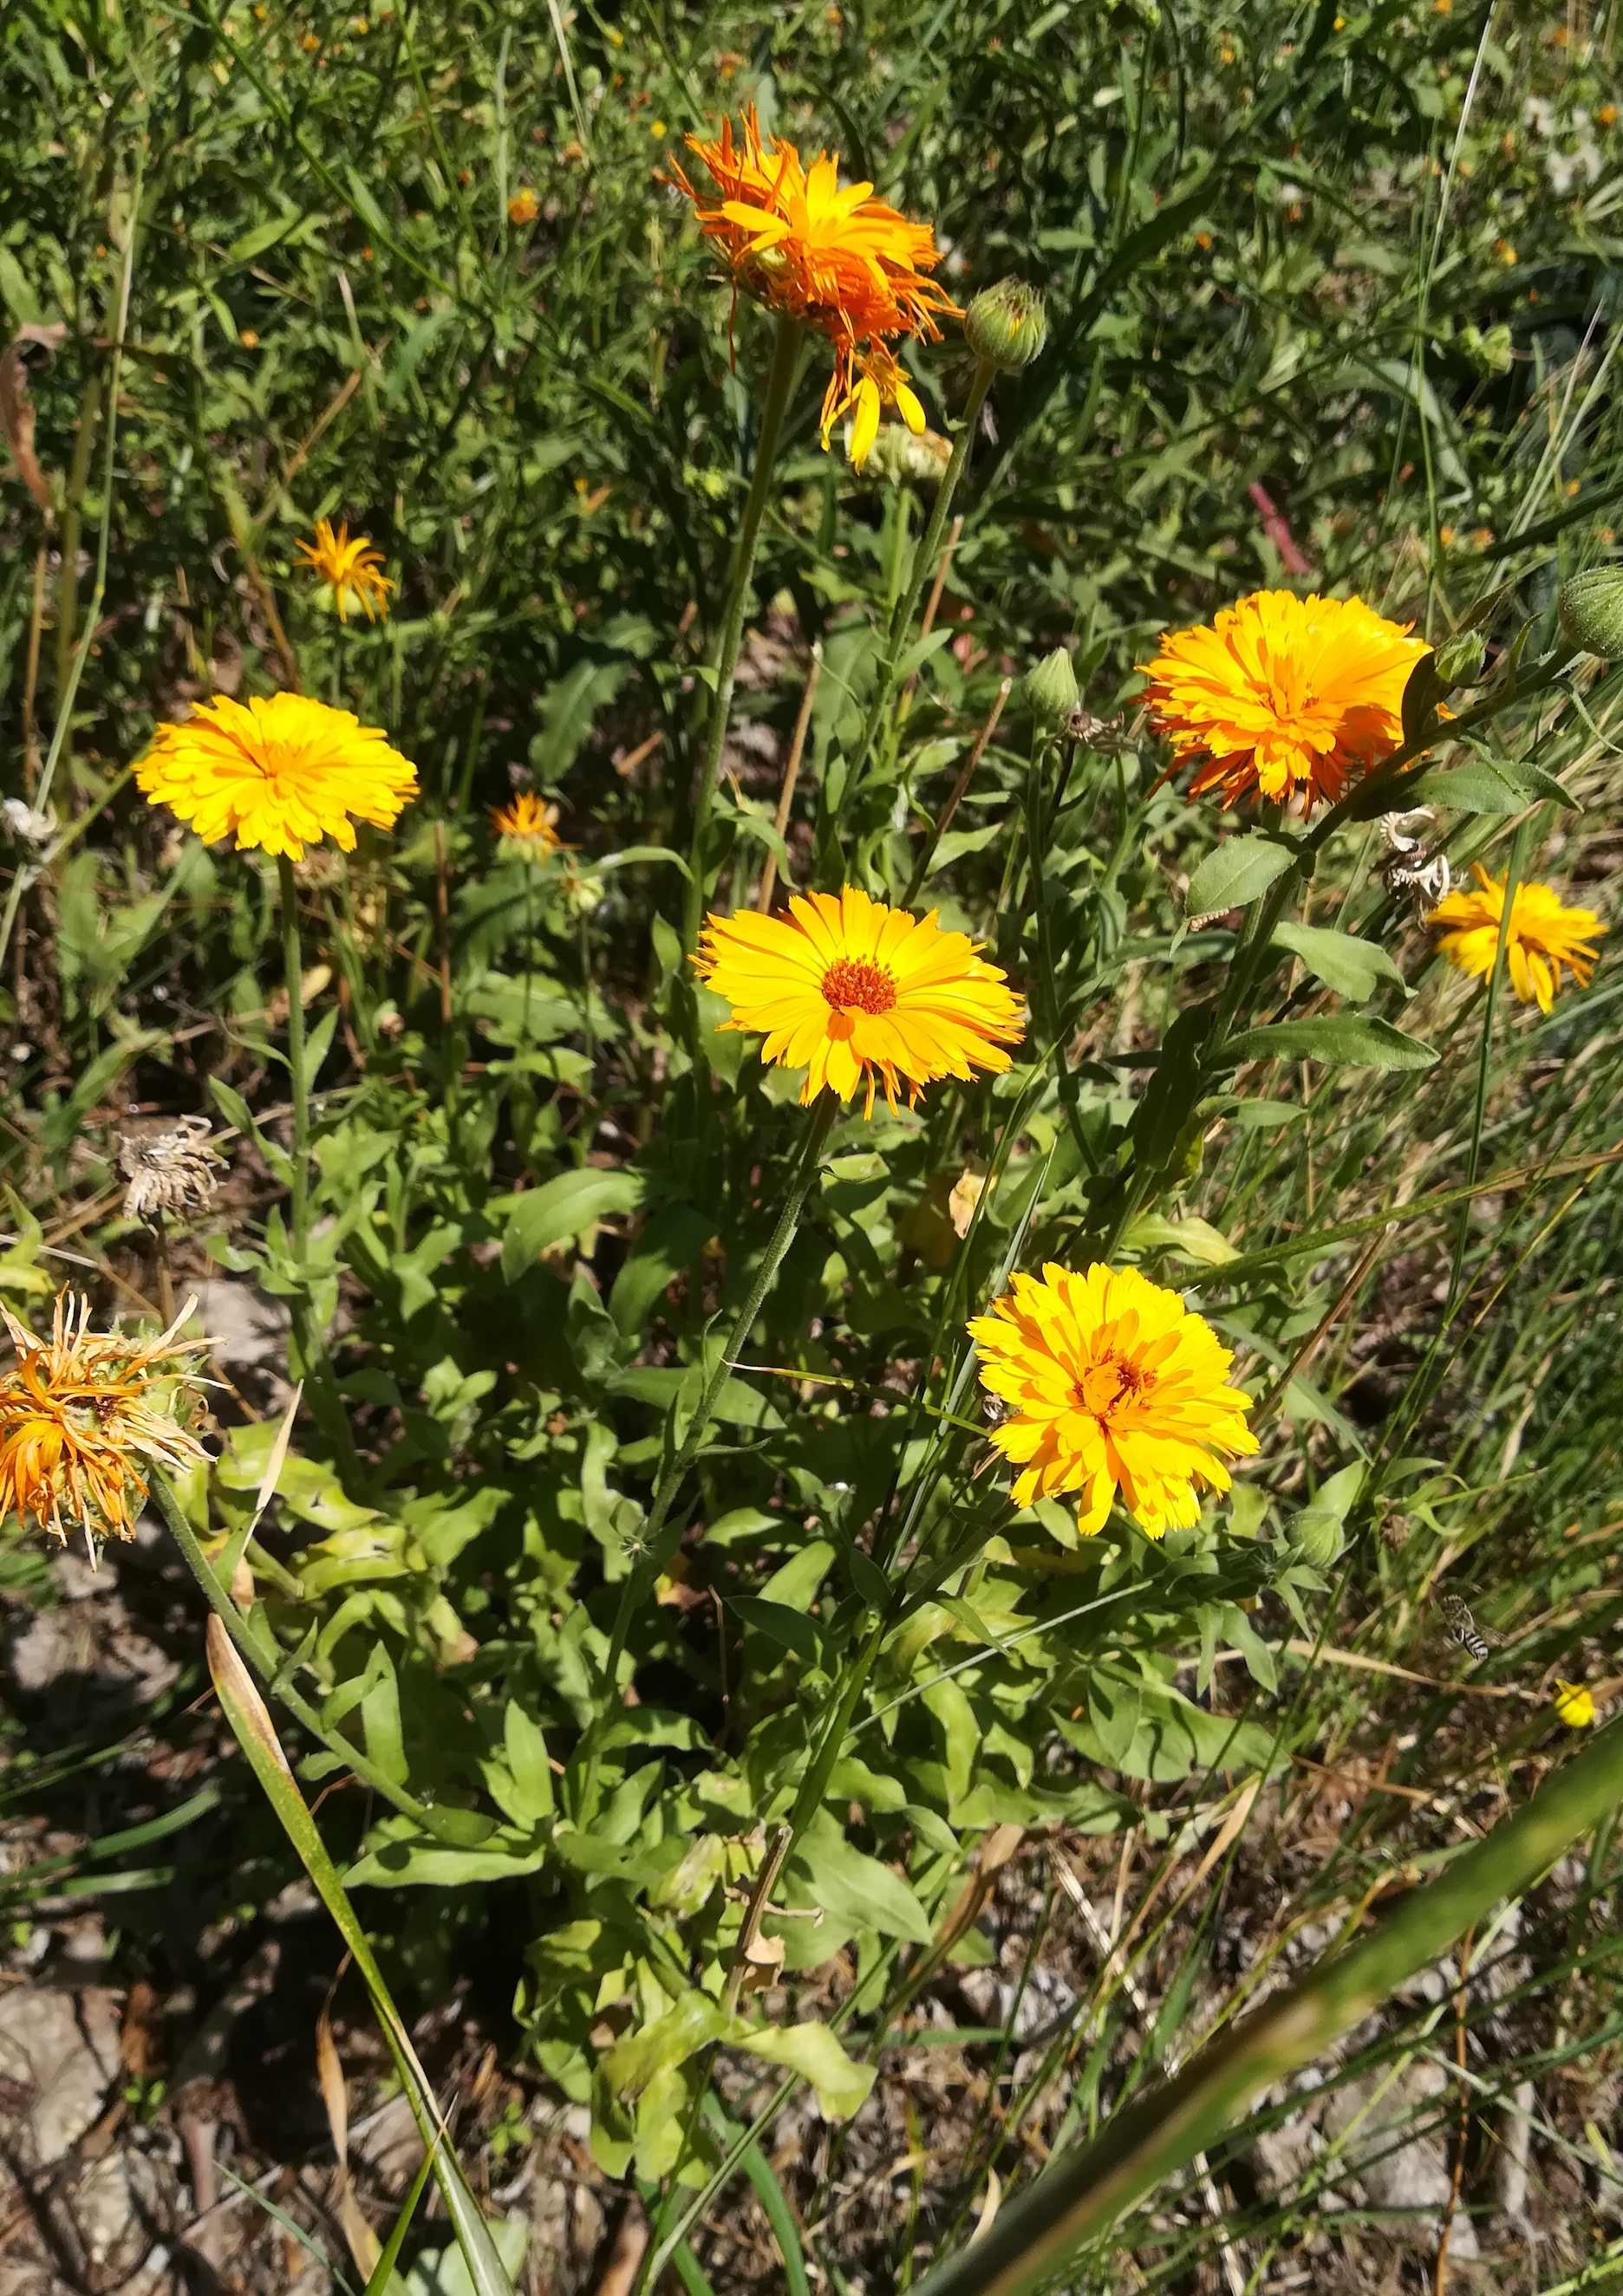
<point>251,1722</point>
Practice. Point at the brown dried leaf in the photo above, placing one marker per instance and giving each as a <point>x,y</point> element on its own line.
<point>16,407</point>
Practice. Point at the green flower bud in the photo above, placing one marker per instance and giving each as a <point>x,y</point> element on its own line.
<point>1458,660</point>
<point>1006,324</point>
<point>897,458</point>
<point>1317,1536</point>
<point>1050,690</point>
<point>1590,611</point>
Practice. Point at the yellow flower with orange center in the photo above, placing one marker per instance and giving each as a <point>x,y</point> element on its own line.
<point>1543,936</point>
<point>830,256</point>
<point>1283,696</point>
<point>84,1416</point>
<point>1114,1386</point>
<point>529,825</point>
<point>857,994</point>
<point>351,569</point>
<point>278,774</point>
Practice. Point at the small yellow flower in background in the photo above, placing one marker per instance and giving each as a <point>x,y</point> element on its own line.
<point>836,259</point>
<point>858,994</point>
<point>83,1414</point>
<point>349,568</point>
<point>1543,935</point>
<point>1115,1387</point>
<point>1506,252</point>
<point>524,207</point>
<point>248,340</point>
<point>529,825</point>
<point>1607,115</point>
<point>278,774</point>
<point>1573,1704</point>
<point>1283,695</point>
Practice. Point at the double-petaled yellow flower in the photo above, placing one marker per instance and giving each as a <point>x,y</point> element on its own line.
<point>1543,936</point>
<point>861,995</point>
<point>1114,1386</point>
<point>278,773</point>
<point>352,570</point>
<point>84,1416</point>
<point>1283,697</point>
<point>830,256</point>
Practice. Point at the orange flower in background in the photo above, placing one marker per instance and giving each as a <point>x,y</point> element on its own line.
<point>524,207</point>
<point>1283,696</point>
<point>1543,935</point>
<point>833,258</point>
<point>528,822</point>
<point>857,994</point>
<point>1114,1386</point>
<point>83,1416</point>
<point>351,569</point>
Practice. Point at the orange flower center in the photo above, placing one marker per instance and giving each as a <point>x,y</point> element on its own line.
<point>855,982</point>
<point>1106,1385</point>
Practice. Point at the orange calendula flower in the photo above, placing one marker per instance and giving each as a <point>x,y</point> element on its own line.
<point>278,774</point>
<point>528,824</point>
<point>1115,1387</point>
<point>857,994</point>
<point>830,256</point>
<point>1283,695</point>
<point>350,569</point>
<point>524,207</point>
<point>84,1414</point>
<point>1543,936</point>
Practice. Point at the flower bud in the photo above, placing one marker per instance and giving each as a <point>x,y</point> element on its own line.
<point>1590,611</point>
<point>1006,324</point>
<point>1317,1536</point>
<point>1458,660</point>
<point>1051,691</point>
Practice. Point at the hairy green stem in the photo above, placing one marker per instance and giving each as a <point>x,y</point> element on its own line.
<point>779,382</point>
<point>1086,2190</point>
<point>635,1585</point>
<point>299,1223</point>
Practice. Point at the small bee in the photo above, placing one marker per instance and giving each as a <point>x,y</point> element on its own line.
<point>1465,1631</point>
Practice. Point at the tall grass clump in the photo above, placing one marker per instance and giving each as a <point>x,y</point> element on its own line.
<point>848,790</point>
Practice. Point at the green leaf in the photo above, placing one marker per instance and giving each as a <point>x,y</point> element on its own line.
<point>1501,786</point>
<point>792,1629</point>
<point>527,1760</point>
<point>1352,967</point>
<point>814,2052</point>
<point>263,236</point>
<point>855,1891</point>
<point>670,1241</point>
<point>1240,869</point>
<point>1340,1040</point>
<point>565,1208</point>
<point>1192,1238</point>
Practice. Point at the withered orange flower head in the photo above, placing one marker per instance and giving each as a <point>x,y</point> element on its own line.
<point>528,825</point>
<point>831,256</point>
<point>85,1415</point>
<point>1283,697</point>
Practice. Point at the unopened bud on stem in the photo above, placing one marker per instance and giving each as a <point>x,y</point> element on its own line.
<point>1050,690</point>
<point>1006,324</point>
<point>1590,611</point>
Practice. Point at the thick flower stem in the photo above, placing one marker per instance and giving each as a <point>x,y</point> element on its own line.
<point>907,603</point>
<point>298,1220</point>
<point>780,378</point>
<point>635,1585</point>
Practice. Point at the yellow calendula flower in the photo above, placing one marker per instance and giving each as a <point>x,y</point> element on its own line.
<point>880,383</point>
<point>1543,936</point>
<point>1283,696</point>
<point>857,994</point>
<point>828,255</point>
<point>1114,1386</point>
<point>277,775</point>
<point>351,569</point>
<point>529,825</point>
<point>1573,1704</point>
<point>84,1414</point>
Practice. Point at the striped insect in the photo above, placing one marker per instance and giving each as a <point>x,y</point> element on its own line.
<point>1464,1630</point>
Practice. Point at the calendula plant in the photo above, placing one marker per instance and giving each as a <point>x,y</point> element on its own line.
<point>929,1172</point>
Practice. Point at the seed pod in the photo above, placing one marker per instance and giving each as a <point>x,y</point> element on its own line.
<point>1590,611</point>
<point>1006,325</point>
